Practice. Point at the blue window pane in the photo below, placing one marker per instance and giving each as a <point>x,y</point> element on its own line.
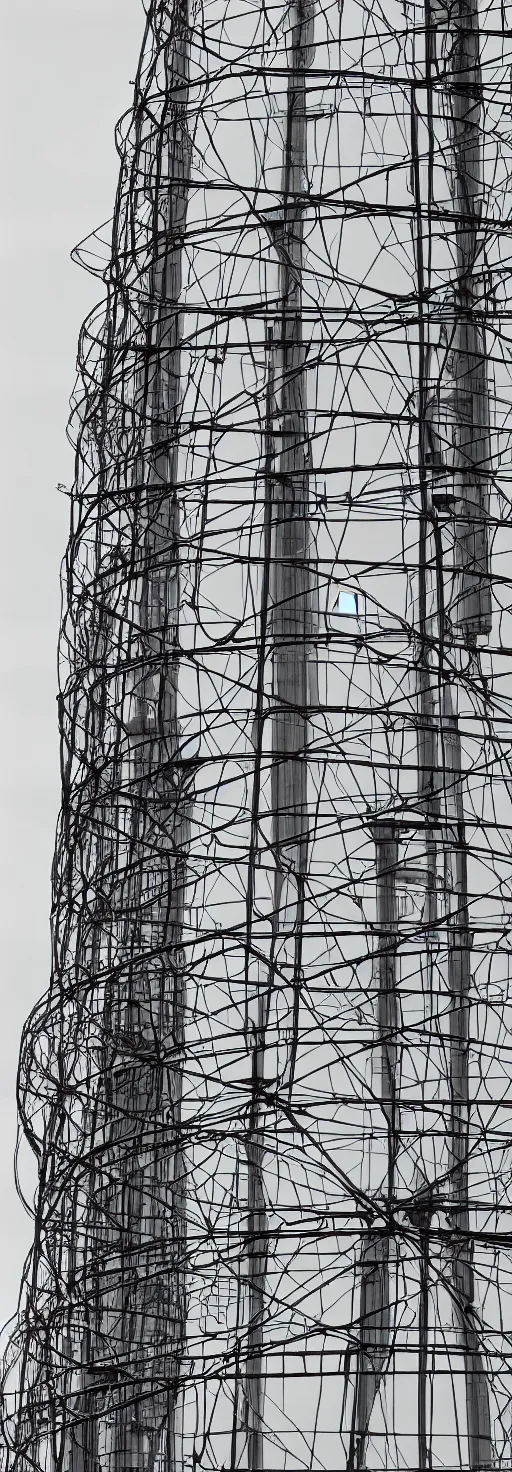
<point>347,602</point>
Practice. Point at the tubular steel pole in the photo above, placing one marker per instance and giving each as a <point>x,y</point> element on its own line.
<point>291,625</point>
<point>375,1315</point>
<point>291,575</point>
<point>466,394</point>
<point>459,983</point>
<point>464,610</point>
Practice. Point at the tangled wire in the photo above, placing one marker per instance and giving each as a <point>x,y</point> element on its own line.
<point>268,1088</point>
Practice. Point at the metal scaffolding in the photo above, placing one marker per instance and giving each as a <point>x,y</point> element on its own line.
<point>269,1086</point>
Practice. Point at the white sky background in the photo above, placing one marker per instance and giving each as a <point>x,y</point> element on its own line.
<point>66,66</point>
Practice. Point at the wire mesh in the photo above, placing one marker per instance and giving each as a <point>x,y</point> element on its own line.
<point>268,1088</point>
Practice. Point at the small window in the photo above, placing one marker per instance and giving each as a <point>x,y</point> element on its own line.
<point>346,602</point>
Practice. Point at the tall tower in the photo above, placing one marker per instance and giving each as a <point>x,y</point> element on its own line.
<point>269,1086</point>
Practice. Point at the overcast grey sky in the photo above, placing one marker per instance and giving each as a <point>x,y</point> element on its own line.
<point>66,71</point>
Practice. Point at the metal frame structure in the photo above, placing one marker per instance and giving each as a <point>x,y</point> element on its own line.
<point>269,1085</point>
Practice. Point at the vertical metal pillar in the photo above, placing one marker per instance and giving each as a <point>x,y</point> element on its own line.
<point>459,429</point>
<point>291,619</point>
<point>470,605</point>
<point>375,1314</point>
<point>459,983</point>
<point>459,412</point>
<point>257,1254</point>
<point>420,1215</point>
